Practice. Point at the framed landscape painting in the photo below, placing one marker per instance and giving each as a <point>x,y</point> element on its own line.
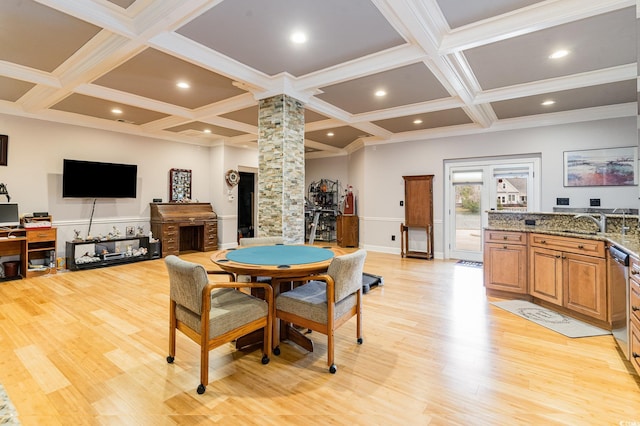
<point>601,167</point>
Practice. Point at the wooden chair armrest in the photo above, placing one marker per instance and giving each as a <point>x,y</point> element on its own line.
<point>231,275</point>
<point>206,291</point>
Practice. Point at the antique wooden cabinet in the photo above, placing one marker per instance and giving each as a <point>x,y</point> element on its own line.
<point>418,214</point>
<point>183,227</point>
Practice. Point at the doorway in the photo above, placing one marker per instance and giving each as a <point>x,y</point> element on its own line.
<point>246,205</point>
<point>476,186</point>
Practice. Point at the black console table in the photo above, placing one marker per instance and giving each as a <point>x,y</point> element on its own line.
<point>100,253</point>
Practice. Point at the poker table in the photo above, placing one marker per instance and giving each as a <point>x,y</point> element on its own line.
<point>276,261</point>
<point>281,263</point>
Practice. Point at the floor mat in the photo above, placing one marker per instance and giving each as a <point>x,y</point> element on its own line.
<point>8,413</point>
<point>552,320</point>
<point>469,263</point>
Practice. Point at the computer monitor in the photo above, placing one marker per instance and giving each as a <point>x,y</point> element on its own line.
<point>9,217</point>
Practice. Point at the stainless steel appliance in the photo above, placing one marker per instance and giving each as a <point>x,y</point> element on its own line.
<point>619,301</point>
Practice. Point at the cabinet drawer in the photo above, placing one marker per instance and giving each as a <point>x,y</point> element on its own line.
<point>504,237</point>
<point>568,244</point>
<point>41,235</point>
<point>634,300</point>
<point>634,356</point>
<point>634,268</point>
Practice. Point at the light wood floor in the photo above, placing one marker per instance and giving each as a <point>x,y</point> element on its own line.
<point>89,348</point>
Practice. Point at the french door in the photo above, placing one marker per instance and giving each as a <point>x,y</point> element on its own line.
<point>474,187</point>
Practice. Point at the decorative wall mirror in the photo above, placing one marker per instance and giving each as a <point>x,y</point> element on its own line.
<point>179,185</point>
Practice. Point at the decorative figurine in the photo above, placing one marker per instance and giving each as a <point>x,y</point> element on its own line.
<point>140,231</point>
<point>76,237</point>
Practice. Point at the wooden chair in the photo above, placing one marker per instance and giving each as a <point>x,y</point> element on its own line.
<point>212,314</point>
<point>325,302</point>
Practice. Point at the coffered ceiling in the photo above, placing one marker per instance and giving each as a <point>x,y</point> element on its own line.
<point>448,67</point>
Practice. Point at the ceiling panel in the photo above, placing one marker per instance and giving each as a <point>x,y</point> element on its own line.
<point>205,129</point>
<point>427,120</point>
<point>153,74</point>
<point>99,108</point>
<point>405,85</point>
<point>340,136</point>
<point>257,33</point>
<point>602,41</point>
<point>12,90</point>
<point>464,12</point>
<point>566,100</point>
<point>39,37</point>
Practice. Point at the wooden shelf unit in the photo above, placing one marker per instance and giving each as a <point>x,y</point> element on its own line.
<point>91,252</point>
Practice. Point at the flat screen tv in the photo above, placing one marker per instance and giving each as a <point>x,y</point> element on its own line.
<point>9,217</point>
<point>91,179</point>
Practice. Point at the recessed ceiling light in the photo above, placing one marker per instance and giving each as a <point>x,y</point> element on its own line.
<point>116,111</point>
<point>559,54</point>
<point>380,93</point>
<point>207,130</point>
<point>417,121</point>
<point>298,37</point>
<point>547,103</point>
<point>330,134</point>
<point>183,85</point>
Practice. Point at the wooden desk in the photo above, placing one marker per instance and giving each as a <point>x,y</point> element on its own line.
<point>15,246</point>
<point>287,266</point>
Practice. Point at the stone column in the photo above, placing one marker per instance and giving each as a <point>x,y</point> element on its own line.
<point>281,169</point>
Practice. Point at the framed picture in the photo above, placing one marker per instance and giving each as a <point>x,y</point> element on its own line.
<point>4,147</point>
<point>601,167</point>
<point>179,185</point>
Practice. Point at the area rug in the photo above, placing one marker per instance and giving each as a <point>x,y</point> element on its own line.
<point>562,324</point>
<point>8,413</point>
<point>469,263</point>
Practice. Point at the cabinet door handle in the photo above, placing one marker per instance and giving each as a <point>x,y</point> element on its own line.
<point>635,272</point>
<point>505,247</point>
<point>580,246</point>
<point>558,256</point>
<point>635,355</point>
<point>543,241</point>
<point>635,308</point>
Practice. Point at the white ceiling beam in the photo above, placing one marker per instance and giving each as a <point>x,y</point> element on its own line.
<point>536,17</point>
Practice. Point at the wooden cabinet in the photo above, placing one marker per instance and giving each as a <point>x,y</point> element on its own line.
<point>569,272</point>
<point>505,261</point>
<point>347,230</point>
<point>183,227</point>
<point>634,314</point>
<point>418,214</point>
<point>41,251</point>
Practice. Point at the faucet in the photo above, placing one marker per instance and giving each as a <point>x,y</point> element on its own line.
<point>602,223</point>
<point>624,228</point>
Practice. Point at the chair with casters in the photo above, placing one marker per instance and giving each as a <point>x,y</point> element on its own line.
<point>324,302</point>
<point>214,313</point>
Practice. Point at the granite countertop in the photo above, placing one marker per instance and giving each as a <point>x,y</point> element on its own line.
<point>629,243</point>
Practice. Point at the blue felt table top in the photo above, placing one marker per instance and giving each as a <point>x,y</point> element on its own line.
<point>279,255</point>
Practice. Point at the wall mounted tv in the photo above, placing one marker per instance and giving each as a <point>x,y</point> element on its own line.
<point>91,179</point>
